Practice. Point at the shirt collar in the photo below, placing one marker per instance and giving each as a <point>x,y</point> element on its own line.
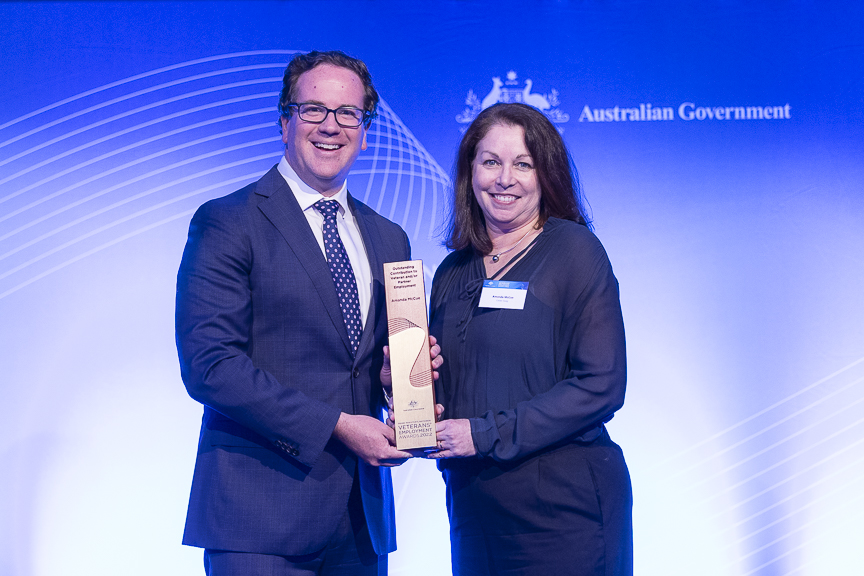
<point>307,196</point>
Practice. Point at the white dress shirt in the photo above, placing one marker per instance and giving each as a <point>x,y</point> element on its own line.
<point>345,223</point>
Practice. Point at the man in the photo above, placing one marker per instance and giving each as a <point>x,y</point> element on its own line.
<point>280,327</point>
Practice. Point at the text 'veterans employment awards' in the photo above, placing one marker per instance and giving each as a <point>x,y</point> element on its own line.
<point>413,392</point>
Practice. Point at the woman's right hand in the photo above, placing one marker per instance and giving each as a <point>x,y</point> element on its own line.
<point>454,439</point>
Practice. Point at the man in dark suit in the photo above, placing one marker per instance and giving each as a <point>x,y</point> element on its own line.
<point>280,326</point>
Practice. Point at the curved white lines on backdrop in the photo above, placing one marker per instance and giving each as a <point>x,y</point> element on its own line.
<point>764,411</point>
<point>32,167</point>
<point>238,181</point>
<point>117,168</point>
<point>392,144</point>
<point>769,478</point>
<point>146,107</point>
<point>127,199</point>
<point>97,168</point>
<point>143,76</point>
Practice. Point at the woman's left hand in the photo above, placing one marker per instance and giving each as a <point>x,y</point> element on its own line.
<point>454,439</point>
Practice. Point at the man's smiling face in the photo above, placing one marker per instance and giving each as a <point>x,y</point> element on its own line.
<point>322,154</point>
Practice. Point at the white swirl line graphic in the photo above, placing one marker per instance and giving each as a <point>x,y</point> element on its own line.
<point>126,114</point>
<point>132,95</point>
<point>785,480</point>
<point>119,186</point>
<point>220,185</point>
<point>762,412</point>
<point>134,128</point>
<point>142,76</point>
<point>391,167</point>
<point>771,426</point>
<point>799,528</point>
<point>119,168</point>
<point>149,192</point>
<point>785,439</point>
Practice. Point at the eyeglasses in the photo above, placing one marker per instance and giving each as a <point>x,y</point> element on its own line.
<point>346,116</point>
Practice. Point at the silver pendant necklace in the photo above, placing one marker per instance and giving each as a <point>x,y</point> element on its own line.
<point>497,256</point>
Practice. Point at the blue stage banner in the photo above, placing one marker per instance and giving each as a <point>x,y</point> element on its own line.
<point>720,147</point>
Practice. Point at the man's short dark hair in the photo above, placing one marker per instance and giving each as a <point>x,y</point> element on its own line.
<point>304,62</point>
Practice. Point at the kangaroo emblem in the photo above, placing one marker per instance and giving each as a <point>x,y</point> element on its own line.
<point>509,90</point>
<point>495,95</point>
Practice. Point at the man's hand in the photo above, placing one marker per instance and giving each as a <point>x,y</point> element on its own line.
<point>370,439</point>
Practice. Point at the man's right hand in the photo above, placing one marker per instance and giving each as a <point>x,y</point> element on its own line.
<point>370,439</point>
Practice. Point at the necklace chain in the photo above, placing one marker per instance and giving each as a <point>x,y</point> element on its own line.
<point>497,256</point>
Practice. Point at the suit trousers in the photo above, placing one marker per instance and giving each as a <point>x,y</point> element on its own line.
<point>349,553</point>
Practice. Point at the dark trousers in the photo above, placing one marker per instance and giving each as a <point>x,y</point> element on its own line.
<point>349,553</point>
<point>564,511</point>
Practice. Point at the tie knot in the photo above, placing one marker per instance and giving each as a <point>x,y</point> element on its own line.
<point>328,208</point>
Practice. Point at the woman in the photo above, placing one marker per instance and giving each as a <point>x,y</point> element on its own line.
<point>534,483</point>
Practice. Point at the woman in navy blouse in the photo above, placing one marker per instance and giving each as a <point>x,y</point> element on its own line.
<point>526,311</point>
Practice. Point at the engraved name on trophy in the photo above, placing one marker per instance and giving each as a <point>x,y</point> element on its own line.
<point>410,366</point>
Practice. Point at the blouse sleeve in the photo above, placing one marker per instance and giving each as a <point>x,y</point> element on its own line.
<point>595,374</point>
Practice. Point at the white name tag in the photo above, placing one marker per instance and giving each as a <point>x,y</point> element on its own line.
<point>503,294</point>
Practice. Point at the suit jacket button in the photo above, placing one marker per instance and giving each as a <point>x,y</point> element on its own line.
<point>294,452</point>
<point>356,373</point>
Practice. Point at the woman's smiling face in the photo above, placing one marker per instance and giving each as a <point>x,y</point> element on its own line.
<point>504,180</point>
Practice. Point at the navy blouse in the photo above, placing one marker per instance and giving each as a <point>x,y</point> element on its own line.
<point>545,375</point>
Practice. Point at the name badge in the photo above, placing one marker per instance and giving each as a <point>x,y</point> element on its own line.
<point>503,294</point>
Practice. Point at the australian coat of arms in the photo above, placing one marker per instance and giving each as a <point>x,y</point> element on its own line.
<point>509,91</point>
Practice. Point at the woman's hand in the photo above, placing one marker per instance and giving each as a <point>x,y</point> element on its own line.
<point>435,356</point>
<point>454,439</point>
<point>387,376</point>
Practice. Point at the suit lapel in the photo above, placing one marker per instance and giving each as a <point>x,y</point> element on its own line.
<point>281,208</point>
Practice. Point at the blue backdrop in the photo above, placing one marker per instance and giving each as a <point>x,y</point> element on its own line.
<point>720,146</point>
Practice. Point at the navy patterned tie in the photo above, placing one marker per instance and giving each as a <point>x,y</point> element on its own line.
<point>343,274</point>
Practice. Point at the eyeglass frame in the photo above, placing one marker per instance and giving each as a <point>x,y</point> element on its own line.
<point>366,118</point>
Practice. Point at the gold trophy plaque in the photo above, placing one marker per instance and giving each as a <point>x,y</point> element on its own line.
<point>410,366</point>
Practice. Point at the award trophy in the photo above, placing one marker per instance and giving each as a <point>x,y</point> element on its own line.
<point>410,366</point>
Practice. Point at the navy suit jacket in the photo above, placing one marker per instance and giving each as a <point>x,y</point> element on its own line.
<point>263,347</point>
